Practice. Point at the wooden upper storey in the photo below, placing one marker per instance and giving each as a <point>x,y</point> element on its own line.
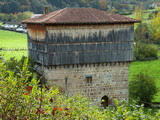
<point>63,45</point>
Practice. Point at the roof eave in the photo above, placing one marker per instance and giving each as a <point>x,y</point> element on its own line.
<point>93,23</point>
<point>87,23</point>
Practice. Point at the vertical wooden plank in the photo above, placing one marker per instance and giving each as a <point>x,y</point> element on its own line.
<point>54,57</point>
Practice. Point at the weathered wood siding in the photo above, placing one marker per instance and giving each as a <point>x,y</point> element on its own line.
<point>82,44</point>
<point>36,32</point>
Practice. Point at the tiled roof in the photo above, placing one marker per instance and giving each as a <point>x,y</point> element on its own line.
<point>80,16</point>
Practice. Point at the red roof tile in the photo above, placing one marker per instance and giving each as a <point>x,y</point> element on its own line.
<point>80,16</point>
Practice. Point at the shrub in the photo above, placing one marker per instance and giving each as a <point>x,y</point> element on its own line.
<point>143,34</point>
<point>21,99</point>
<point>17,66</point>
<point>145,52</point>
<point>142,88</point>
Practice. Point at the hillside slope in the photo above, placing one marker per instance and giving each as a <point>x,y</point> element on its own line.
<point>36,6</point>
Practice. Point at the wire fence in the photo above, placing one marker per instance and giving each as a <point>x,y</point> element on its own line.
<point>153,104</point>
<point>13,49</point>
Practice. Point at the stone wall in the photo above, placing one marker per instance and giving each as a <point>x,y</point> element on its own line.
<point>110,79</point>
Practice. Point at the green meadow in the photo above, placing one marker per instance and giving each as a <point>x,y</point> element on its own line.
<point>18,40</point>
<point>152,68</point>
<point>17,54</point>
<point>146,13</point>
<point>10,41</point>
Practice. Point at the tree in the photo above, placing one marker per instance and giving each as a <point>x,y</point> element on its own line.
<point>5,8</point>
<point>12,17</point>
<point>24,15</point>
<point>139,12</point>
<point>142,33</point>
<point>155,28</point>
<point>143,88</point>
<point>145,52</point>
<point>103,4</point>
<point>14,6</point>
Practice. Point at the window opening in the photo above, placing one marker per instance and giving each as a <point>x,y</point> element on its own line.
<point>89,79</point>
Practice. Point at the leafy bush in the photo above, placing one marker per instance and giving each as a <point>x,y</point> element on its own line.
<point>143,88</point>
<point>155,28</point>
<point>153,13</point>
<point>148,32</point>
<point>17,66</point>
<point>145,52</point>
<point>21,99</point>
<point>142,33</point>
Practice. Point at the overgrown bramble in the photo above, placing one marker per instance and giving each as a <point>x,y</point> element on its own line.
<point>29,88</point>
<point>56,109</point>
<point>51,100</point>
<point>26,93</point>
<point>67,114</point>
<point>67,109</point>
<point>25,118</point>
<point>40,111</point>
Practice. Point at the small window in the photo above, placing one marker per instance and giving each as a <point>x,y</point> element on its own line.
<point>89,79</point>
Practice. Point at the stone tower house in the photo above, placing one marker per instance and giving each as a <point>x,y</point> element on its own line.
<point>83,50</point>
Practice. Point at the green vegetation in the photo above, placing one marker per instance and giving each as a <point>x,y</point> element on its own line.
<point>13,44</point>
<point>17,54</point>
<point>143,88</point>
<point>147,14</point>
<point>12,39</point>
<point>22,97</point>
<point>147,32</point>
<point>152,68</point>
<point>1,24</point>
<point>151,112</point>
<point>16,17</point>
<point>145,52</point>
<point>36,6</point>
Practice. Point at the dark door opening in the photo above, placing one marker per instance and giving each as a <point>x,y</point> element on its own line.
<point>104,101</point>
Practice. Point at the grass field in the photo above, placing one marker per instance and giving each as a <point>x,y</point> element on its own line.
<point>1,25</point>
<point>12,40</point>
<point>17,54</point>
<point>152,68</point>
<point>146,15</point>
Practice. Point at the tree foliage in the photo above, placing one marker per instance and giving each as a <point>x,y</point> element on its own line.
<point>148,32</point>
<point>143,88</point>
<point>144,51</point>
<point>155,27</point>
<point>36,6</point>
<point>16,17</point>
<point>139,12</point>
<point>143,34</point>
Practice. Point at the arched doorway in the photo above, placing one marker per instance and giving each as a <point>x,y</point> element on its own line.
<point>104,101</point>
